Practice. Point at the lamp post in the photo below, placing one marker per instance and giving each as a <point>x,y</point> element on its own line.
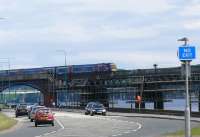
<point>65,55</point>
<point>8,63</point>
<point>187,105</point>
<point>65,75</point>
<point>155,68</point>
<point>2,95</point>
<point>156,93</point>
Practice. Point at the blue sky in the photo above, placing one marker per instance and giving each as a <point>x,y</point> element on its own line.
<point>131,33</point>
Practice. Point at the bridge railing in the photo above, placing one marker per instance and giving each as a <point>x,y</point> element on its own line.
<point>25,77</point>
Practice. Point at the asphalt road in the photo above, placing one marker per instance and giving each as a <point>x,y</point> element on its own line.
<point>25,128</point>
<point>72,124</point>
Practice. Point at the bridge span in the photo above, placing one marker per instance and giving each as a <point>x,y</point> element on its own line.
<point>78,84</point>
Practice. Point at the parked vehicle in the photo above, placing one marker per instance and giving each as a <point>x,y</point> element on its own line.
<point>93,108</point>
<point>20,110</point>
<point>44,116</point>
<point>33,112</point>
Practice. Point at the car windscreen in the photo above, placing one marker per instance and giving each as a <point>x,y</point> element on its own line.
<point>44,111</point>
<point>22,107</point>
<point>35,108</point>
<point>98,106</point>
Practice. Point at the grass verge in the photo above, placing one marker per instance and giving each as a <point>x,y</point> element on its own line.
<point>6,122</point>
<point>194,131</point>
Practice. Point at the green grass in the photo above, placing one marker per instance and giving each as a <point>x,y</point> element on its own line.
<point>3,106</point>
<point>194,131</point>
<point>6,122</point>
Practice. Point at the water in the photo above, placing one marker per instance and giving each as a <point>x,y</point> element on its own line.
<point>173,104</point>
<point>179,104</point>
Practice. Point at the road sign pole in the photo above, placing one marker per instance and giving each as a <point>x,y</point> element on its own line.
<point>186,54</point>
<point>187,105</point>
<point>139,106</point>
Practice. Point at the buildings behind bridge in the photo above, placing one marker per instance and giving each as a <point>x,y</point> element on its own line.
<point>75,86</point>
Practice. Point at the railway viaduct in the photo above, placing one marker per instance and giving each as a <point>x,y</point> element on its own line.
<point>148,83</point>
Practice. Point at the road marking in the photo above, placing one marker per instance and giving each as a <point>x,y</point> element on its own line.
<point>52,132</point>
<point>117,135</point>
<point>139,127</point>
<point>127,132</point>
<point>60,124</point>
<point>46,134</point>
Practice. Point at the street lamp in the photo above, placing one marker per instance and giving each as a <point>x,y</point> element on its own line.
<point>2,95</point>
<point>65,54</point>
<point>184,39</point>
<point>65,75</point>
<point>7,61</point>
<point>155,68</point>
<point>187,105</point>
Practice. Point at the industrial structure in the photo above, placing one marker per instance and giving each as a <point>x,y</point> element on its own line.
<point>76,85</point>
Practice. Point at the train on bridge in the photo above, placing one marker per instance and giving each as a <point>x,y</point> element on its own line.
<point>74,69</point>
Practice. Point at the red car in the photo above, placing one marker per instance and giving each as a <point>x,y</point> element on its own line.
<point>44,116</point>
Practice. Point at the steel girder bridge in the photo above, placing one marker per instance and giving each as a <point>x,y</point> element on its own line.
<point>100,86</point>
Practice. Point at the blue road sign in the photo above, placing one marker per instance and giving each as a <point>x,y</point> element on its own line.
<point>186,53</point>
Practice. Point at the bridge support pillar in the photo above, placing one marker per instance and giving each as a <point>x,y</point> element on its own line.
<point>158,103</point>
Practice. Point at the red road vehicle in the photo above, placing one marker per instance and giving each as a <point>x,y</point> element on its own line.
<point>44,116</point>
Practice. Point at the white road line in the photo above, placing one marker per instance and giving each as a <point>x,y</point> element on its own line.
<point>46,134</point>
<point>139,127</point>
<point>60,124</point>
<point>52,132</point>
<point>127,132</point>
<point>117,135</point>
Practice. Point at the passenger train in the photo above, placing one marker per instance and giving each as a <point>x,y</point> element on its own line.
<point>102,67</point>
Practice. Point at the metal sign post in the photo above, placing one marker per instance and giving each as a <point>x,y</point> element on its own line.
<point>186,54</point>
<point>139,99</point>
<point>187,107</point>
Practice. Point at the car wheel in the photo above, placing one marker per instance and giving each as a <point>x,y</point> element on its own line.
<point>36,124</point>
<point>86,113</point>
<point>104,114</point>
<point>52,123</point>
<point>16,115</point>
<point>91,113</point>
<point>31,120</point>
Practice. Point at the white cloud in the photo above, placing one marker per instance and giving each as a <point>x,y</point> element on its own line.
<point>192,25</point>
<point>129,33</point>
<point>89,27</point>
<point>131,59</point>
<point>70,32</point>
<point>131,6</point>
<point>191,10</point>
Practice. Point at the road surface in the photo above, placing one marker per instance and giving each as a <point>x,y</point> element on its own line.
<point>71,124</point>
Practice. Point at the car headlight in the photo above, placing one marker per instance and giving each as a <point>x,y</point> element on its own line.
<point>104,110</point>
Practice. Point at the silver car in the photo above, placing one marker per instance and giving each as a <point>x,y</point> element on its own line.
<point>33,112</point>
<point>95,108</point>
